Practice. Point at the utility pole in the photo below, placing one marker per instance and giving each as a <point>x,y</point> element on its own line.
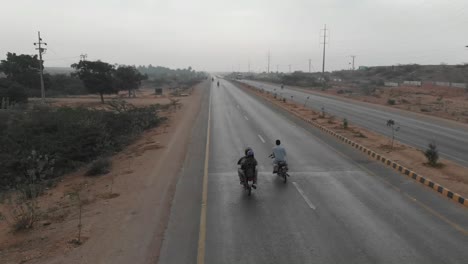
<point>324,45</point>
<point>310,64</point>
<point>41,68</point>
<point>277,68</point>
<point>268,69</point>
<point>83,57</point>
<point>353,56</point>
<point>249,66</point>
<point>289,68</point>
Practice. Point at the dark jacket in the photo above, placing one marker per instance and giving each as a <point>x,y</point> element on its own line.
<point>248,165</point>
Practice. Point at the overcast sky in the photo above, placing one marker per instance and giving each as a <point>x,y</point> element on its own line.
<point>218,35</point>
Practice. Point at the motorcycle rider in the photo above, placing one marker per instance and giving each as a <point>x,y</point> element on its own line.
<point>248,167</point>
<point>279,155</point>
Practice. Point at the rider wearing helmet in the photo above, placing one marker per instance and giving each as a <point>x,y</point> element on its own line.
<point>248,167</point>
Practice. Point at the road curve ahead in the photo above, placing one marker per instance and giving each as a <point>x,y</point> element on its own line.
<point>415,129</point>
<point>337,207</point>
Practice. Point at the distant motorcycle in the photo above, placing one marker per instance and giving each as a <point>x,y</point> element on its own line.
<point>282,169</point>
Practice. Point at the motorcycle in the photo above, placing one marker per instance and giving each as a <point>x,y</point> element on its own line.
<point>282,169</point>
<point>247,182</point>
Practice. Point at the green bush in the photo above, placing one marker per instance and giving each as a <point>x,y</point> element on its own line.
<point>432,154</point>
<point>345,123</point>
<point>391,101</point>
<point>368,89</point>
<point>62,139</point>
<point>15,92</point>
<point>99,167</point>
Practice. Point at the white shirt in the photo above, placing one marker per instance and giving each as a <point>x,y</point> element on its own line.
<point>280,153</point>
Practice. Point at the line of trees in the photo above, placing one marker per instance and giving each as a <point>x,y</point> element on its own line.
<point>297,78</point>
<point>162,76</point>
<point>22,78</point>
<point>19,79</point>
<point>103,78</point>
<point>98,77</point>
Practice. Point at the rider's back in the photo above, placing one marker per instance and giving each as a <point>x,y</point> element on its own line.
<point>249,165</point>
<point>279,153</point>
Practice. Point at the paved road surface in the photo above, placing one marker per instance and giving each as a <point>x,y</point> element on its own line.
<point>416,129</point>
<point>338,207</point>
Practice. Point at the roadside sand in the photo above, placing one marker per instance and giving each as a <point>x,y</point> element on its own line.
<point>125,212</point>
<point>443,102</point>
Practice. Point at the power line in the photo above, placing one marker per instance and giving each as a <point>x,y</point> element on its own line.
<point>41,62</point>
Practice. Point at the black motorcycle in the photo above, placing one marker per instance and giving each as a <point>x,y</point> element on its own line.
<point>246,181</point>
<point>282,169</point>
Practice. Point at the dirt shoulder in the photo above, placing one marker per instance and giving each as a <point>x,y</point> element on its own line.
<point>443,102</point>
<point>449,174</point>
<point>125,212</point>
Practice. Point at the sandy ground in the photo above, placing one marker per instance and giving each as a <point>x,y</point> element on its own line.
<point>449,175</point>
<point>445,102</point>
<point>125,212</point>
<point>144,96</point>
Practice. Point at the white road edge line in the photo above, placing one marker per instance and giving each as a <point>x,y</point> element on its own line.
<point>309,203</point>
<point>261,138</point>
<point>246,118</point>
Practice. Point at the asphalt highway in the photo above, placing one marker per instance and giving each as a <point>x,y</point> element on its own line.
<point>415,129</point>
<point>337,207</point>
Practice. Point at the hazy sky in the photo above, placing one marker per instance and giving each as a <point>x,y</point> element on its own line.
<point>222,35</point>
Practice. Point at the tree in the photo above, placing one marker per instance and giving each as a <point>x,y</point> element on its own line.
<point>15,92</point>
<point>395,128</point>
<point>97,76</point>
<point>23,69</point>
<point>129,78</point>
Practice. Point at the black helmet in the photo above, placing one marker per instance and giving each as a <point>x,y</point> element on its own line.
<point>250,153</point>
<point>247,150</point>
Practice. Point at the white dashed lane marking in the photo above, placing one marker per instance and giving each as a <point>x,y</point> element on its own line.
<point>301,192</point>
<point>263,140</point>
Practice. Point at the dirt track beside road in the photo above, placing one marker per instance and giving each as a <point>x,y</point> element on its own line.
<point>125,212</point>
